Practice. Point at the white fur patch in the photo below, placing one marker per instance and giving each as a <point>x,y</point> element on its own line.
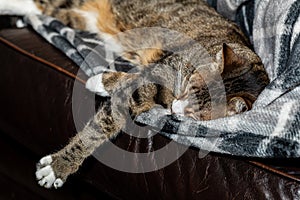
<point>91,25</point>
<point>18,7</point>
<point>45,174</point>
<point>94,84</point>
<point>178,106</point>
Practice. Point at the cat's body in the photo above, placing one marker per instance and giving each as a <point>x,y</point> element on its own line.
<point>231,59</point>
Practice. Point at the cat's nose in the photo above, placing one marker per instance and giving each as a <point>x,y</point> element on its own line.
<point>178,106</point>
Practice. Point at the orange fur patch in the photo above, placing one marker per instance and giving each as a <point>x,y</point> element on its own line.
<point>106,21</point>
<point>149,55</point>
<point>143,56</point>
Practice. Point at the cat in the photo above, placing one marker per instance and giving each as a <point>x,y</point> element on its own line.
<point>232,58</point>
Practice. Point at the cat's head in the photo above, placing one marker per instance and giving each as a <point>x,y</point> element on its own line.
<point>228,88</point>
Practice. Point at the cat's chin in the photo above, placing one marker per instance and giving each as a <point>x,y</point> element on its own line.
<point>178,106</point>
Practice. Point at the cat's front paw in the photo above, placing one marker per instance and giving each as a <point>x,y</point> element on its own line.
<point>46,175</point>
<point>95,84</point>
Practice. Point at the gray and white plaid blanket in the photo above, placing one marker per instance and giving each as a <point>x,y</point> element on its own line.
<point>270,129</point>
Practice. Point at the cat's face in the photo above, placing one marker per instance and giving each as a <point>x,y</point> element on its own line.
<point>229,89</point>
<point>203,100</point>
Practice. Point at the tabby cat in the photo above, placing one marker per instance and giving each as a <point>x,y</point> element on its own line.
<point>232,58</point>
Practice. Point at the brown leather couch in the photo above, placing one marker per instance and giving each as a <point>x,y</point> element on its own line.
<point>36,82</point>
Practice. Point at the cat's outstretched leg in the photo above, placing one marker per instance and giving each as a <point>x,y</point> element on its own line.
<point>53,170</point>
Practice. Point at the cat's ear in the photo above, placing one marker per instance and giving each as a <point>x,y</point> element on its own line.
<point>236,105</point>
<point>230,60</point>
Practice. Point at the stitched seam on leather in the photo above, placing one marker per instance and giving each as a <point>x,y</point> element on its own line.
<point>271,169</point>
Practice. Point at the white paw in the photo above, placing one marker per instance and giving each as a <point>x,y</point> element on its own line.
<point>20,23</point>
<point>94,84</point>
<point>45,174</point>
<point>46,160</point>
